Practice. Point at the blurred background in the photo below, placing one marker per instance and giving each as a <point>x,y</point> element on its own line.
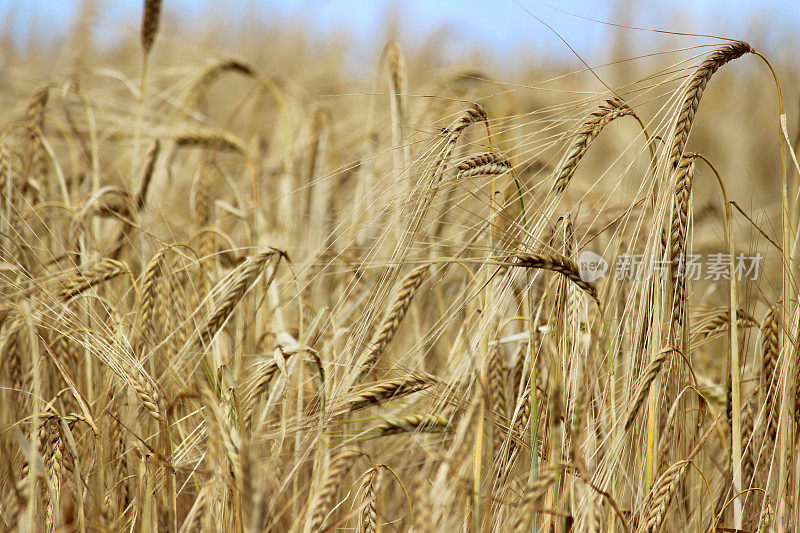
<point>506,31</point>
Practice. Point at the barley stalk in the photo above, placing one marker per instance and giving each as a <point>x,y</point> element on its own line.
<point>240,283</point>
<point>609,111</point>
<point>210,140</point>
<point>484,164</point>
<point>662,493</point>
<point>694,92</point>
<point>391,322</point>
<point>140,200</point>
<point>471,115</point>
<point>377,393</point>
<point>150,20</point>
<point>556,262</point>
<point>533,493</point>
<point>368,519</point>
<point>650,374</point>
<point>680,223</point>
<point>427,423</point>
<point>496,384</point>
<point>100,272</point>
<point>211,73</point>
<point>325,494</point>
<point>37,157</point>
<point>721,320</point>
<point>769,363</point>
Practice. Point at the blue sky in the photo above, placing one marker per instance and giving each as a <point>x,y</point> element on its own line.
<point>499,27</point>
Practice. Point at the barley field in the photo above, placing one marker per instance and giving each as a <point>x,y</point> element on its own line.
<point>257,292</point>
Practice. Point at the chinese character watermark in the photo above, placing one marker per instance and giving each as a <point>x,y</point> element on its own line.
<point>711,267</point>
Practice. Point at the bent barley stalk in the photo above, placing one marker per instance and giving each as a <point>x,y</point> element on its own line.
<point>210,140</point>
<point>556,262</point>
<point>102,271</point>
<point>659,499</point>
<point>374,394</point>
<point>694,92</point>
<point>427,423</point>
<point>260,384</point>
<point>650,374</point>
<point>472,115</point>
<point>661,496</point>
<point>485,164</point>
<point>721,321</point>
<point>240,283</point>
<point>532,495</point>
<point>609,111</point>
<point>210,74</point>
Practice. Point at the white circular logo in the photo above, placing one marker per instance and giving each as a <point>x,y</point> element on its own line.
<point>591,266</point>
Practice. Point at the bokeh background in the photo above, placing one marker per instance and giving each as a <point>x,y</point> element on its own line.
<point>504,30</point>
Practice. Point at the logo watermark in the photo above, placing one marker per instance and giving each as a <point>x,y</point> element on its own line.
<point>591,266</point>
<point>713,267</point>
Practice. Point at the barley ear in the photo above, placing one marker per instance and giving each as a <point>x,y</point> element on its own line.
<point>151,17</point>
